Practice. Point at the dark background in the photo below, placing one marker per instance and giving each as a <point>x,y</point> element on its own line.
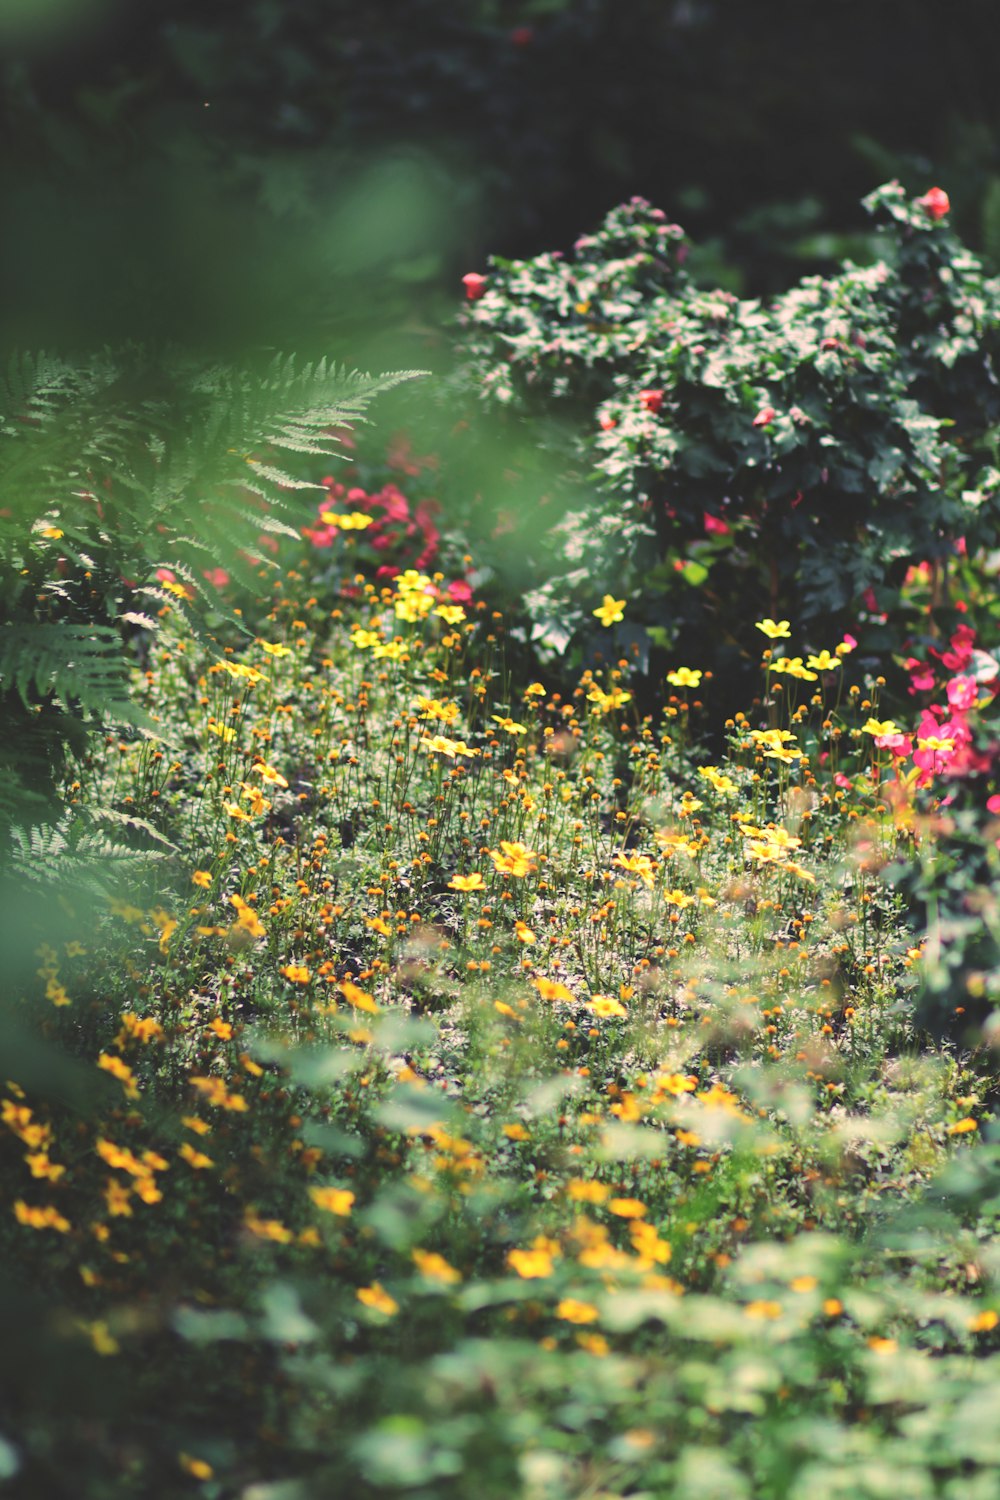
<point>318,174</point>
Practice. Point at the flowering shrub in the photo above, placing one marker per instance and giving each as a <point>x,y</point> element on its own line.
<point>721,455</point>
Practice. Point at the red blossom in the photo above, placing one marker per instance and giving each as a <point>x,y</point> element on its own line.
<point>935,202</point>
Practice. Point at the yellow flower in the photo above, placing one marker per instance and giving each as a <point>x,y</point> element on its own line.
<point>513,859</point>
<point>116,1196</point>
<point>609,702</point>
<point>775,630</point>
<point>549,989</point>
<point>676,1083</point>
<point>523,932</point>
<point>610,610</point>
<point>961,1126</point>
<point>984,1322</point>
<point>247,918</point>
<point>119,1157</point>
<point>376,1297</point>
<point>792,666</point>
<point>40,1166</point>
<point>100,1337</point>
<point>267,1229</point>
<point>354,520</point>
<point>202,878</point>
<point>220,1028</point>
<point>516,1132</point>
<point>296,973</point>
<point>439,744</point>
<point>364,640</point>
<point>218,1095</point>
<point>636,864</point>
<point>357,997</point>
<point>433,708</point>
<point>435,1267</point>
<point>572,1311</point>
<point>507,723</point>
<point>40,1218</point>
<point>200,1127</point>
<point>196,1159</point>
<point>451,614</point>
<point>268,773</point>
<point>122,1072</point>
<point>763,1309</point>
<point>196,1467</point>
<point>824,662</point>
<point>333,1200</point>
<point>586,1190</point>
<point>627,1208</point>
<point>878,727</point>
<point>530,1264</point>
<point>684,677</point>
<point>604,1005</point>
<point>472,882</point>
<point>277,651</point>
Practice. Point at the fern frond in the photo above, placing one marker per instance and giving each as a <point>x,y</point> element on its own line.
<point>78,664</point>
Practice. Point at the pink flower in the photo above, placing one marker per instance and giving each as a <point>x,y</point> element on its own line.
<point>764,416</point>
<point>459,591</point>
<point>217,577</point>
<point>475,285</point>
<point>935,202</point>
<point>165,575</point>
<point>901,745</point>
<point>962,693</point>
<point>993,803</point>
<point>844,782</point>
<point>714,526</point>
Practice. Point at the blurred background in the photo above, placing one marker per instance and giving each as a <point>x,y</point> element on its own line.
<point>317,174</point>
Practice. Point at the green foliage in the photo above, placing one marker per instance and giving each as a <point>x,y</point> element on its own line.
<point>482,1095</point>
<point>722,457</point>
<point>127,480</point>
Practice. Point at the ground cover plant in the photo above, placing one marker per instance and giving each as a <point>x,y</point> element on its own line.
<point>471,1072</point>
<point>486,1092</point>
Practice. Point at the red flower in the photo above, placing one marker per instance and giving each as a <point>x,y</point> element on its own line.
<point>764,416</point>
<point>651,400</point>
<point>935,202</point>
<point>475,285</point>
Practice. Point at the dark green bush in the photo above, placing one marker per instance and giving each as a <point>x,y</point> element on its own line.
<point>724,459</point>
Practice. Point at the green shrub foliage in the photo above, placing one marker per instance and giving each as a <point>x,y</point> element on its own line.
<point>723,456</point>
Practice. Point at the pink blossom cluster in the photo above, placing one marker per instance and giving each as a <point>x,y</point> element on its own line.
<point>942,743</point>
<point>396,526</point>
